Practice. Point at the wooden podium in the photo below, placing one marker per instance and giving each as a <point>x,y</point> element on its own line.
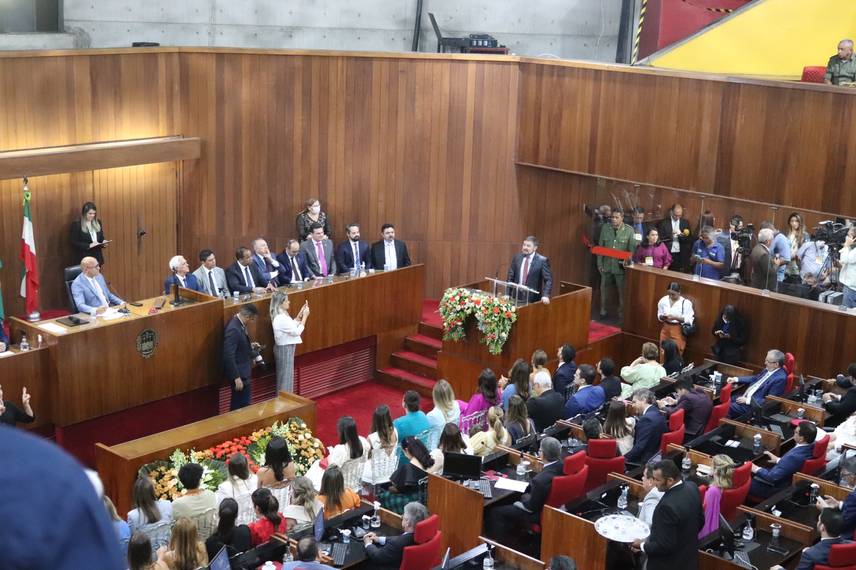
<point>565,320</point>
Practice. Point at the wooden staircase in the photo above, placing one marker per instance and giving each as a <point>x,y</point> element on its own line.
<point>414,367</point>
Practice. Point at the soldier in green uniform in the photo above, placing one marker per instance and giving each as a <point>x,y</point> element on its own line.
<point>842,67</point>
<point>615,235</point>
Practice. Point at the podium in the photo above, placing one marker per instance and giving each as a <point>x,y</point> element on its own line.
<point>565,320</point>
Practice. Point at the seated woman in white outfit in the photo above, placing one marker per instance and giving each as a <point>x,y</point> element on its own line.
<point>239,486</point>
<point>451,441</point>
<point>383,440</point>
<point>446,410</point>
<point>304,505</point>
<point>351,446</point>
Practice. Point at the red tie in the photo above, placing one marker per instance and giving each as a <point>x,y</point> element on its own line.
<point>525,270</point>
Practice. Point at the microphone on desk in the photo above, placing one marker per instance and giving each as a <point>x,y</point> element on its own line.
<point>177,300</point>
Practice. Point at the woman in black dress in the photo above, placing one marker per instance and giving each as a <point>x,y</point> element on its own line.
<point>87,235</point>
<point>729,330</point>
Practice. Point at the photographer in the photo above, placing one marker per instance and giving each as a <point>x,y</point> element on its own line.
<point>238,356</point>
<point>740,237</point>
<point>847,276</point>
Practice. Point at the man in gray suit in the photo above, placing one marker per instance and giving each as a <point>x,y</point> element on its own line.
<point>211,277</point>
<point>319,252</point>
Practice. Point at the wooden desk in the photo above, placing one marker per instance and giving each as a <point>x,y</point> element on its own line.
<point>461,510</point>
<point>789,408</point>
<point>118,464</point>
<point>566,534</point>
<point>817,334</point>
<point>564,320</point>
<point>30,369</point>
<point>97,368</point>
<point>387,304</point>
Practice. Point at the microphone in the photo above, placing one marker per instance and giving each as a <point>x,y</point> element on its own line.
<point>177,300</point>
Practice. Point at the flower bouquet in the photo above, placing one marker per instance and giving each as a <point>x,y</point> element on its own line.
<point>164,474</point>
<point>494,316</point>
<point>305,449</point>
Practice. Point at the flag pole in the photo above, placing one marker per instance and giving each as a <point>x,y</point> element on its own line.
<point>30,275</point>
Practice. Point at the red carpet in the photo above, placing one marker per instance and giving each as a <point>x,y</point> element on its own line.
<point>358,402</point>
<point>599,331</point>
<point>430,314</point>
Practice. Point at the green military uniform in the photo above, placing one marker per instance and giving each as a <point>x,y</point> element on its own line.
<point>611,269</point>
<point>840,71</point>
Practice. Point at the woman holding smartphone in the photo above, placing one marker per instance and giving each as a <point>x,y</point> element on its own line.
<point>87,235</point>
<point>286,334</point>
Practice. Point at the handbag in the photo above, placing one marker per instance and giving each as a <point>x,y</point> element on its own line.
<point>689,329</point>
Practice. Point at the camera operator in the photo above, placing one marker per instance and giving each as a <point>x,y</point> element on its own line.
<point>238,356</point>
<point>740,237</point>
<point>847,275</point>
<point>812,256</point>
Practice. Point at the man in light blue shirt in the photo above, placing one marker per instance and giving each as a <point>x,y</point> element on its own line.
<point>307,556</point>
<point>780,251</point>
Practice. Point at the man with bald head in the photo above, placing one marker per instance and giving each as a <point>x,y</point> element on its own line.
<point>841,68</point>
<point>89,289</point>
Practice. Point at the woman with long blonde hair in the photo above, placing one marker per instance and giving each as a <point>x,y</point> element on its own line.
<point>446,410</point>
<point>485,442</point>
<point>796,237</point>
<point>185,551</point>
<point>286,336</point>
<point>304,505</point>
<point>87,235</point>
<point>723,477</point>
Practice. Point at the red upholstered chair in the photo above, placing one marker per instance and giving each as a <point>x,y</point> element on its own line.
<point>702,489</point>
<point>818,457</point>
<point>841,557</point>
<point>425,554</point>
<point>676,420</point>
<point>742,474</point>
<point>790,367</point>
<point>573,463</point>
<point>676,437</point>
<point>733,498</point>
<point>718,412</point>
<point>813,74</point>
<point>601,461</point>
<point>567,488</point>
<point>725,392</point>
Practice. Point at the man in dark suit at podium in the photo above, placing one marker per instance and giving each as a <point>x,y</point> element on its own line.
<point>352,252</point>
<point>238,356</point>
<point>532,269</point>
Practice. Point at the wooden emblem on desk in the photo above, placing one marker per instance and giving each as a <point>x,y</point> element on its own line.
<point>147,341</point>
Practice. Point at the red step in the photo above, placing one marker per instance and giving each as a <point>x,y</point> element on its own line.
<point>405,380</point>
<point>414,363</point>
<point>431,330</point>
<point>424,345</point>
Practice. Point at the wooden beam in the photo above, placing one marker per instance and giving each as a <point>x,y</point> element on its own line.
<point>96,156</point>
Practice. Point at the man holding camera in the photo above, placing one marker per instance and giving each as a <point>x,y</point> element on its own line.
<point>238,356</point>
<point>847,275</point>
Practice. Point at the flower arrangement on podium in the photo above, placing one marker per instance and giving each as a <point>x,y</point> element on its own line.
<point>494,315</point>
<point>304,448</point>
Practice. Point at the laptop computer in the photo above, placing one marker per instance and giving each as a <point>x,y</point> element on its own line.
<point>220,560</point>
<point>461,466</point>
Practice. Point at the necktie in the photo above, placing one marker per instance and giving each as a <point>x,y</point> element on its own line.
<point>247,277</point>
<point>211,287</point>
<point>181,282</point>
<point>322,261</point>
<point>525,274</point>
<point>356,255</point>
<point>296,276</point>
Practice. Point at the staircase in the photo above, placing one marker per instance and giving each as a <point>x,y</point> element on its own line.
<point>414,367</point>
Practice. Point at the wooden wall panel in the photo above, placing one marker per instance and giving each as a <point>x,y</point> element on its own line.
<point>775,142</point>
<point>71,99</point>
<point>425,144</point>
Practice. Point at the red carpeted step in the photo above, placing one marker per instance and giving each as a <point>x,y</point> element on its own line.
<point>430,330</point>
<point>415,363</point>
<point>405,380</point>
<point>599,331</point>
<point>424,345</point>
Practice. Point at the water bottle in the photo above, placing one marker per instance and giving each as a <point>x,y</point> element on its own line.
<point>686,464</point>
<point>488,560</point>
<point>622,499</point>
<point>386,266</point>
<point>24,344</point>
<point>39,340</point>
<point>234,296</point>
<point>815,491</point>
<point>757,448</point>
<point>748,531</point>
<point>362,268</point>
<point>287,557</point>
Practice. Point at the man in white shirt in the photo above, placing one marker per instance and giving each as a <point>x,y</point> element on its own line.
<point>89,289</point>
<point>211,277</point>
<point>652,495</point>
